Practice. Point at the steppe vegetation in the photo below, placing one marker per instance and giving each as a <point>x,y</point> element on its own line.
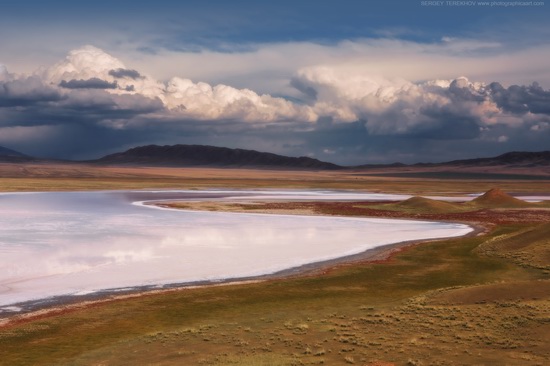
<point>477,300</point>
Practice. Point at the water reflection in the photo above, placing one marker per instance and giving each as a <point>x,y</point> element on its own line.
<point>79,242</point>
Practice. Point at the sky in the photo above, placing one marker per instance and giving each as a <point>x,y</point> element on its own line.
<point>348,81</point>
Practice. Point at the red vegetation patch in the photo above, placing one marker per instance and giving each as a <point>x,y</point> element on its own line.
<point>489,216</point>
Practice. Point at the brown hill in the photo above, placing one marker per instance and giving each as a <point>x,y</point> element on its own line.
<point>203,155</point>
<point>496,198</point>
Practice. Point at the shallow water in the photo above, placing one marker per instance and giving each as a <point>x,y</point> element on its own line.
<point>75,243</point>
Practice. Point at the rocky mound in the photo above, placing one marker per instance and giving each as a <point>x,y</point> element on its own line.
<point>421,204</point>
<point>497,198</point>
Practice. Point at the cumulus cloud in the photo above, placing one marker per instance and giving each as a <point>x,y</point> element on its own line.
<point>26,91</point>
<point>454,109</point>
<point>92,68</point>
<point>521,99</point>
<point>335,111</point>
<point>268,67</point>
<point>83,63</point>
<point>203,101</point>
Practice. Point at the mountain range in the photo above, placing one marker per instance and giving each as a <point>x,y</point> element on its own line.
<point>212,156</point>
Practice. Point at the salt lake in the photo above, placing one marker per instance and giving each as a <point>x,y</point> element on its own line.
<point>75,243</point>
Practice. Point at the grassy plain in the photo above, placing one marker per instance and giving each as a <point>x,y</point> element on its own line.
<point>481,300</point>
<point>55,177</point>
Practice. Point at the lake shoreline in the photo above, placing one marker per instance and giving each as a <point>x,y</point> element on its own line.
<point>45,308</point>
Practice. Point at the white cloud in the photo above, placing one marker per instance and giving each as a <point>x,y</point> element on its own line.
<point>83,63</point>
<point>113,95</point>
<point>3,72</point>
<point>90,62</point>
<point>183,97</point>
<point>203,101</point>
<point>267,67</point>
<point>243,84</point>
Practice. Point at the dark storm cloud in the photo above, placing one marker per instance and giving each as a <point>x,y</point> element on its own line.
<point>459,91</point>
<point>443,122</point>
<point>434,121</point>
<point>93,83</point>
<point>354,145</point>
<point>99,106</point>
<point>84,124</point>
<point>81,141</point>
<point>125,73</point>
<point>521,99</point>
<point>79,107</point>
<point>330,135</point>
<point>431,121</point>
<point>25,92</point>
<point>446,123</point>
<point>453,128</point>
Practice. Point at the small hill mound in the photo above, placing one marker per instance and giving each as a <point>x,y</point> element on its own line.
<point>426,205</point>
<point>497,198</point>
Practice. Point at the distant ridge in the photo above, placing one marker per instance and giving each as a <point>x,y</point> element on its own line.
<point>516,159</point>
<point>213,156</point>
<point>204,155</point>
<point>12,156</point>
